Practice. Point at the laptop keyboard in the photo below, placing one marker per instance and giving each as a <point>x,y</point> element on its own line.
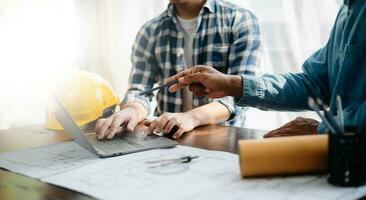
<point>117,144</point>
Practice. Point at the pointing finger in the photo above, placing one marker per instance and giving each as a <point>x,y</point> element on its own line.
<point>115,126</point>
<point>104,128</point>
<point>178,75</point>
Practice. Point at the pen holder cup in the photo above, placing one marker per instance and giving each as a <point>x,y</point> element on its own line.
<point>346,158</point>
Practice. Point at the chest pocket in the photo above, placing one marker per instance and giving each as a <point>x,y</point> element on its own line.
<point>215,56</point>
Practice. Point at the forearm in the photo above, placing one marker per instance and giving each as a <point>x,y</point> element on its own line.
<point>289,91</point>
<point>277,92</point>
<point>211,113</point>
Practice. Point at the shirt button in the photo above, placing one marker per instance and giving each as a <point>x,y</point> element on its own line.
<point>350,12</point>
<point>341,56</point>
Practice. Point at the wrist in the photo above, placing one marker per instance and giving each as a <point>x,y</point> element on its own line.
<point>194,117</point>
<point>235,86</point>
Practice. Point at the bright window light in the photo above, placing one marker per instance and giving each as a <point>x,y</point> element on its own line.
<point>38,39</point>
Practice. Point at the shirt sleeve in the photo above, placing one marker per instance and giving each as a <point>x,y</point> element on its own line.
<point>288,91</point>
<point>244,54</point>
<point>144,69</point>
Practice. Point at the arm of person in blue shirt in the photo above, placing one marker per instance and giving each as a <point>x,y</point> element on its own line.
<point>275,92</point>
<point>268,92</point>
<point>288,91</point>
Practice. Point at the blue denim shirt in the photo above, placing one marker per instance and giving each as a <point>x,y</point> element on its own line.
<point>337,68</point>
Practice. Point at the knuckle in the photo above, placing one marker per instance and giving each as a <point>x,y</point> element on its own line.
<point>183,128</point>
<point>100,122</point>
<point>153,123</point>
<point>115,123</point>
<point>105,127</point>
<point>162,119</point>
<point>115,116</point>
<point>174,121</point>
<point>108,120</point>
<point>165,117</point>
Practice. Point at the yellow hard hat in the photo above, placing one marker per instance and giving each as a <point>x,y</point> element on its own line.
<point>87,97</point>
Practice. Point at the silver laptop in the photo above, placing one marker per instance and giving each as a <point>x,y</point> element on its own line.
<point>123,143</point>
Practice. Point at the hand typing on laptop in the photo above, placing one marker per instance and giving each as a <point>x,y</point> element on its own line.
<point>172,124</point>
<point>119,146</point>
<point>129,116</point>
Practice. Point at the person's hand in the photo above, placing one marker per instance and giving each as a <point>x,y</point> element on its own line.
<point>108,127</point>
<point>166,122</point>
<point>207,81</point>
<point>299,126</point>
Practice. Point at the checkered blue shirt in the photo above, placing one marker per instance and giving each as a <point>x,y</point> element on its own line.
<point>227,38</point>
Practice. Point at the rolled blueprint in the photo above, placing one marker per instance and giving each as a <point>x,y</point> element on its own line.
<point>283,155</point>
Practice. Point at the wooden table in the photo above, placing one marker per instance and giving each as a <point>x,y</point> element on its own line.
<point>15,186</point>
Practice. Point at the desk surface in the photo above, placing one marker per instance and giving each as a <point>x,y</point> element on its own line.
<point>15,186</point>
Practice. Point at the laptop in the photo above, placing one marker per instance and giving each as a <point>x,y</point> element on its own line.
<point>123,143</point>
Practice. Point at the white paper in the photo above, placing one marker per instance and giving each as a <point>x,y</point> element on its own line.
<point>214,175</point>
<point>131,178</point>
<point>47,160</point>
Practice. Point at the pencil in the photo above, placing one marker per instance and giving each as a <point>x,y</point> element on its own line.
<point>159,87</point>
<point>329,116</point>
<point>312,105</point>
<point>340,113</point>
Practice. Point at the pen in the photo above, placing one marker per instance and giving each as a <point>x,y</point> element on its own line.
<point>165,162</point>
<point>340,113</point>
<point>314,106</point>
<point>159,87</point>
<point>329,116</point>
<point>184,159</point>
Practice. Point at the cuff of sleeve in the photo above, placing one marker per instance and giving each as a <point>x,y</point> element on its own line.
<point>229,103</point>
<point>252,90</point>
<point>144,101</point>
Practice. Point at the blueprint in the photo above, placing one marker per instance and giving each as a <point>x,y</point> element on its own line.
<point>47,160</point>
<point>213,175</point>
<point>129,176</point>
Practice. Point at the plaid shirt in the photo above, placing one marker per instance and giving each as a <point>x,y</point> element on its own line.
<point>227,38</point>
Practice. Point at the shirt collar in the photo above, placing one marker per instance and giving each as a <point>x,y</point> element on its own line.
<point>208,6</point>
